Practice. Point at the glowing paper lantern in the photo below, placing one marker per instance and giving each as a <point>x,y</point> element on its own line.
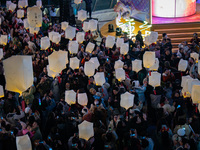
<point>50,72</point>
<point>156,65</point>
<point>58,60</point>
<point>89,68</point>
<point>12,7</point>
<point>77,1</point>
<point>1,91</point>
<point>86,130</point>
<point>80,37</point>
<point>196,94</point>
<point>155,79</point>
<point>183,64</point>
<point>199,68</point>
<point>70,32</point>
<point>120,74</point>
<point>26,25</point>
<point>34,16</point>
<point>8,3</point>
<point>39,3</point>
<point>64,25</point>
<point>90,47</point>
<point>127,100</point>
<point>99,78</point>
<point>20,13</point>
<point>93,25</point>
<point>192,83</point>
<point>45,43</point>
<point>51,34</point>
<point>74,63</point>
<point>21,4</point>
<point>0,21</point>
<point>82,15</point>
<point>119,64</point>
<point>95,61</point>
<point>18,73</point>
<point>124,48</point>
<point>82,99</point>
<point>25,3</point>
<point>73,47</point>
<point>184,80</point>
<point>110,41</point>
<point>147,40</point>
<point>70,97</point>
<point>137,65</point>
<point>56,38</point>
<point>34,30</point>
<point>119,42</point>
<point>1,53</point>
<point>4,40</point>
<point>195,56</point>
<point>23,142</point>
<point>153,37</point>
<point>149,59</point>
<point>85,26</point>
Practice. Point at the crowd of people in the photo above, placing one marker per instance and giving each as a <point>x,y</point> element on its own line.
<point>160,119</point>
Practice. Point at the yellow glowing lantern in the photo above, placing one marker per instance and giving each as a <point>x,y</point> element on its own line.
<point>195,56</point>
<point>3,39</point>
<point>149,59</point>
<point>12,6</point>
<point>86,130</point>
<point>1,91</point>
<point>155,79</point>
<point>89,68</point>
<point>82,99</point>
<point>127,100</point>
<point>20,13</point>
<point>64,25</point>
<point>70,97</point>
<point>137,65</point>
<point>74,63</point>
<point>34,16</point>
<point>120,74</point>
<point>99,78</point>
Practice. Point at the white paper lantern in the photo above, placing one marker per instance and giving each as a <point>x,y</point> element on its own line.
<point>25,3</point>
<point>155,66</point>
<point>147,40</point>
<point>45,43</point>
<point>196,94</point>
<point>8,4</point>
<point>120,74</point>
<point>192,83</point>
<point>34,16</point>
<point>198,68</point>
<point>183,64</point>
<point>58,60</point>
<point>39,3</point>
<point>99,78</point>
<point>85,26</point>
<point>70,32</point>
<point>12,6</point>
<point>119,64</point>
<point>26,25</point>
<point>73,47</point>
<point>80,37</point>
<point>90,47</point>
<point>149,59</point>
<point>56,38</point>
<point>184,80</point>
<point>155,79</point>
<point>153,37</point>
<point>119,42</point>
<point>20,13</point>
<point>34,30</point>
<point>74,63</point>
<point>77,1</point>
<point>64,25</point>
<point>23,142</point>
<point>93,25</point>
<point>86,130</point>
<point>82,15</point>
<point>95,61</point>
<point>51,34</point>
<point>70,97</point>
<point>127,100</point>
<point>195,56</point>
<point>1,53</point>
<point>137,65</point>
<point>18,73</point>
<point>0,21</point>
<point>82,99</point>
<point>21,4</point>
<point>110,41</point>
<point>3,39</point>
<point>124,48</point>
<point>89,68</point>
<point>51,73</point>
<point>1,91</point>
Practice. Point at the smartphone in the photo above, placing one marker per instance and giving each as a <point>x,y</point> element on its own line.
<point>106,146</point>
<point>11,132</point>
<point>40,102</point>
<point>178,106</point>
<point>41,142</point>
<point>132,135</point>
<point>73,118</point>
<point>49,137</point>
<point>0,130</point>
<point>57,117</point>
<point>1,118</point>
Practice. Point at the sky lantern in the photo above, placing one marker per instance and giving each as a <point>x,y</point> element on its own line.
<point>18,73</point>
<point>21,4</point>
<point>86,130</point>
<point>155,66</point>
<point>182,65</point>
<point>34,30</point>
<point>137,65</point>
<point>56,38</point>
<point>93,25</point>
<point>1,91</point>
<point>119,64</point>
<point>70,97</point>
<point>80,37</point>
<point>196,94</point>
<point>4,39</point>
<point>124,48</point>
<point>23,142</point>
<point>110,41</point>
<point>95,61</point>
<point>149,59</point>
<point>195,56</point>
<point>45,43</point>
<point>34,16</point>
<point>155,79</point>
<point>90,47</point>
<point>192,83</point>
<point>82,99</point>
<point>26,25</point>
<point>12,6</point>
<point>70,32</point>
<point>64,25</point>
<point>20,13</point>
<point>127,100</point>
<point>51,73</point>
<point>51,34</point>
<point>120,74</point>
<point>74,63</point>
<point>89,68</point>
<point>73,47</point>
<point>82,15</point>
<point>86,26</point>
<point>119,42</point>
<point>1,53</point>
<point>39,3</point>
<point>99,78</point>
